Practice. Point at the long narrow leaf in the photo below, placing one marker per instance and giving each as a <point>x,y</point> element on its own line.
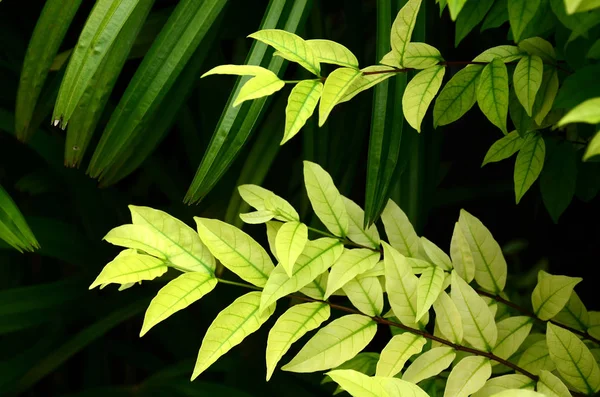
<point>13,227</point>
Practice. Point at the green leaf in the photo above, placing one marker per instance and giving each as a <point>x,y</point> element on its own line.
<point>538,47</point>
<point>368,237</point>
<point>529,164</point>
<point>48,34</point>
<point>527,80</point>
<point>316,289</point>
<point>159,234</point>
<point>399,231</point>
<point>594,325</point>
<point>325,198</point>
<point>468,376</point>
<point>490,265</point>
<point>448,319</point>
<point>336,86</point>
<point>551,294</point>
<point>578,87</point>
<point>479,327</point>
<point>291,326</point>
<point>573,6</point>
<point>503,148</point>
<point>177,295</point>
<point>281,208</point>
<point>358,384</point>
<point>231,326</point>
<point>366,294</point>
<point>506,53</point>
<point>428,289</point>
<point>257,217</point>
<point>429,364</point>
<point>551,386</point>
<point>573,360</point>
<point>519,393</point>
<point>462,257</point>
<point>236,250</point>
<point>505,382</point>
<point>558,179</point>
<point>397,352</point>
<point>130,267</point>
<point>523,123</point>
<point>334,344</point>
<point>593,148</point>
<point>401,388</point>
<point>318,256</point>
<point>492,93</point>
<point>455,6</point>
<point>574,314</point>
<point>327,51</point>
<point>520,13</point>
<point>254,195</point>
<point>291,47</point>
<point>13,227</point>
<point>421,56</point>
<point>594,51</point>
<point>351,263</point>
<point>536,358</point>
<point>272,230</point>
<point>289,244</point>
<point>472,14</point>
<point>497,16</point>
<point>436,255</point>
<point>512,332</point>
<point>586,112</point>
<point>419,93</point>
<point>457,97</point>
<point>301,104</point>
<point>392,58</point>
<point>365,81</point>
<point>546,95</point>
<point>403,26</point>
<point>579,23</point>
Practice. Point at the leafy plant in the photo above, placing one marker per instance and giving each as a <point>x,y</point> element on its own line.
<point>454,326</point>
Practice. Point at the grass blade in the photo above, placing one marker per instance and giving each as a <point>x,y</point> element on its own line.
<point>13,227</point>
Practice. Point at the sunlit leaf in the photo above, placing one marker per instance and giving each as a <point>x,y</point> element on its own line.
<point>574,314</point>
<point>436,255</point>
<point>302,102</point>
<point>539,47</point>
<point>518,393</point>
<point>505,53</point>
<point>290,46</point>
<point>351,263</point>
<point>551,386</point>
<point>457,96</point>
<point>586,112</point>
<point>455,7</point>
<point>468,376</point>
<point>505,382</point>
<point>503,148</point>
<point>358,384</point>
<point>536,358</point>
<point>272,230</point>
<point>419,93</point>
<point>399,231</point>
<point>529,164</point>
<point>401,388</point>
<point>368,237</point>
<point>283,210</point>
<point>520,13</point>
<point>448,318</point>
<point>551,294</point>
<point>462,257</point>
<point>492,93</point>
<point>366,294</point>
<point>593,148</point>
<point>365,81</point>
<point>512,332</point>
<point>336,86</point>
<point>429,364</point>
<point>257,217</point>
<point>327,51</point>
<point>403,26</point>
<point>397,352</point>
<point>428,289</point>
<point>421,56</point>
<point>527,80</point>
<point>130,267</point>
<point>289,244</point>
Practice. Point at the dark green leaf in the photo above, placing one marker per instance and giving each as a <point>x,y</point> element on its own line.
<point>470,16</point>
<point>588,180</point>
<point>557,181</point>
<point>497,16</point>
<point>581,85</point>
<point>13,227</point>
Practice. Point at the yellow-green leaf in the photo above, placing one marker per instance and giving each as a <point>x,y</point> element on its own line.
<point>238,70</point>
<point>289,244</point>
<point>401,388</point>
<point>529,164</point>
<point>527,80</point>
<point>300,106</point>
<point>593,148</point>
<point>421,56</point>
<point>462,257</point>
<point>429,364</point>
<point>536,358</point>
<point>328,51</point>
<point>455,7</point>
<point>479,327</point>
<point>520,13</point>
<point>594,325</point>
<point>272,230</point>
<point>574,314</point>
<point>519,393</point>
<point>177,295</point>
<point>257,217</point>
<point>397,352</point>
<point>334,344</point>
<point>492,93</point>
<point>392,58</point>
<point>436,255</point>
<point>506,53</point>
<point>231,326</point>
<point>468,376</point>
<point>258,87</point>
<point>403,27</point>
<point>551,294</point>
<point>290,46</point>
<point>291,326</point>
<point>447,318</point>
<point>325,198</point>
<point>365,81</point>
<point>551,386</point>
<point>366,294</point>
<point>546,94</point>
<point>586,112</point>
<point>318,256</point>
<point>573,360</point>
<point>540,47</point>
<point>399,230</point>
<point>283,210</point>
<point>351,263</point>
<point>505,382</point>
<point>419,93</point>
<point>337,84</point>
<point>236,250</point>
<point>358,384</point>
<point>458,96</point>
<point>356,216</point>
<point>503,148</point>
<point>254,195</point>
<point>512,332</point>
<point>428,289</point>
<point>130,267</point>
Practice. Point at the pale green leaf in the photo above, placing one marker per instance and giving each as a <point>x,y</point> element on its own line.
<point>429,288</point>
<point>403,26</point>
<point>291,47</point>
<point>419,93</point>
<point>421,56</point>
<point>529,164</point>
<point>130,267</point>
<point>254,195</point>
<point>520,13</point>
<point>364,363</point>
<point>490,265</point>
<point>436,255</point>
<point>260,86</point>
<point>281,208</point>
<point>336,86</point>
<point>159,234</point>
<point>536,358</point>
<point>177,295</point>
<point>238,70</point>
<point>462,257</point>
<point>316,288</point>
<point>551,294</point>
<point>540,47</point>
<point>455,6</point>
<point>392,58</point>
<point>492,93</point>
<point>518,393</point>
<point>365,81</point>
<point>458,96</point>
<point>551,386</point>
<point>594,325</point>
<point>399,231</point>
<point>236,250</point>
<point>593,148</point>
<point>546,95</point>
<point>352,263</point>
<point>318,256</point>
<point>366,294</point>
<point>356,232</point>
<point>471,15</point>
<point>291,326</point>
<point>397,352</point>
<point>272,230</point>
<point>376,271</point>
<point>328,51</point>
<point>301,104</point>
<point>257,217</point>
<point>401,287</point>
<point>573,360</point>
<point>358,384</point>
<point>468,376</point>
<point>429,364</point>
<point>574,314</point>
<point>506,53</point>
<point>401,388</point>
<point>505,382</point>
<point>479,327</point>
<point>512,332</point>
<point>503,148</point>
<point>573,6</point>
<point>448,319</point>
<point>289,244</point>
<point>231,326</point>
<point>586,112</point>
<point>527,80</point>
<point>334,344</point>
<point>325,198</point>
<point>419,265</point>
